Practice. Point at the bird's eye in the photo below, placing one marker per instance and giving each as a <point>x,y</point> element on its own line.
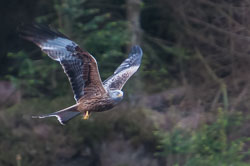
<point>119,94</point>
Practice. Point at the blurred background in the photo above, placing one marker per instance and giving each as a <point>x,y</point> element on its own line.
<point>188,105</point>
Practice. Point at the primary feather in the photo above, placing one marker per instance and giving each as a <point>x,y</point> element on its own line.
<point>80,67</point>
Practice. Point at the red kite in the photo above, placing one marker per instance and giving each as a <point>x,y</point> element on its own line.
<point>90,93</point>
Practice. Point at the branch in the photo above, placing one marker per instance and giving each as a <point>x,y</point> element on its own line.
<point>223,86</point>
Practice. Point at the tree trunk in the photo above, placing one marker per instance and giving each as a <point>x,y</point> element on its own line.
<point>133,17</point>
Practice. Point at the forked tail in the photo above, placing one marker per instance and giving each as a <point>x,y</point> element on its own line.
<point>63,116</point>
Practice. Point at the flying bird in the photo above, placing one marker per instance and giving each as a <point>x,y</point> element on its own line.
<point>90,93</point>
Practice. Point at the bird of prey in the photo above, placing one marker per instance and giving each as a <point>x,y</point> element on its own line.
<point>90,93</point>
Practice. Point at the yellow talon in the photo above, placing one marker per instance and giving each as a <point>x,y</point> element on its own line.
<point>86,116</point>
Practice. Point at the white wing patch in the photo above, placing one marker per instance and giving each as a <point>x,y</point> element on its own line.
<point>125,70</point>
<point>120,78</point>
<point>56,48</point>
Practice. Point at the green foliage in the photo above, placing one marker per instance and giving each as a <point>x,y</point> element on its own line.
<point>108,46</point>
<point>157,64</point>
<point>96,30</point>
<point>210,145</point>
<point>35,77</point>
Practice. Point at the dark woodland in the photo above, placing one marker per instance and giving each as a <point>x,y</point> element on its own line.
<point>187,105</point>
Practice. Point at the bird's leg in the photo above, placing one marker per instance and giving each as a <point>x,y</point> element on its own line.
<point>86,116</point>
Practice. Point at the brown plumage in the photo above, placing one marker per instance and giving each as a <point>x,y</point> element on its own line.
<point>90,93</point>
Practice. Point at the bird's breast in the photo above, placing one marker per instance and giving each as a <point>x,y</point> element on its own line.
<point>96,104</point>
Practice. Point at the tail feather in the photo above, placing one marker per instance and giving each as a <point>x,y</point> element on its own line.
<point>63,116</point>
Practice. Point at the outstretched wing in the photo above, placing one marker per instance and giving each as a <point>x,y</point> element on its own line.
<point>80,67</point>
<point>125,70</point>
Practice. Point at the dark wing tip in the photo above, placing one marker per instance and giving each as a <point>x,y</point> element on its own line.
<point>38,31</point>
<point>136,49</point>
<point>136,54</point>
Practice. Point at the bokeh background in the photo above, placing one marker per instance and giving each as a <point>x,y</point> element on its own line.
<point>188,105</point>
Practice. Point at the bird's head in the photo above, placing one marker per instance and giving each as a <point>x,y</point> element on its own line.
<point>116,95</point>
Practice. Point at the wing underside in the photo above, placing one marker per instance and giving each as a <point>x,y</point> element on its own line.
<point>125,70</point>
<point>79,66</point>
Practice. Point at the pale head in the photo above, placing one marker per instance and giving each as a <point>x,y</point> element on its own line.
<point>116,95</point>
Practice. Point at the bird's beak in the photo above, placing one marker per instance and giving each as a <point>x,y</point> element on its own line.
<point>120,95</point>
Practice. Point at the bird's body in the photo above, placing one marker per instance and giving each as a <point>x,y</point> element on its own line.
<point>90,93</point>
<point>96,104</point>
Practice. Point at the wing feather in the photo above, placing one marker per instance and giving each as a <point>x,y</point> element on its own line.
<point>128,67</point>
<point>80,67</point>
